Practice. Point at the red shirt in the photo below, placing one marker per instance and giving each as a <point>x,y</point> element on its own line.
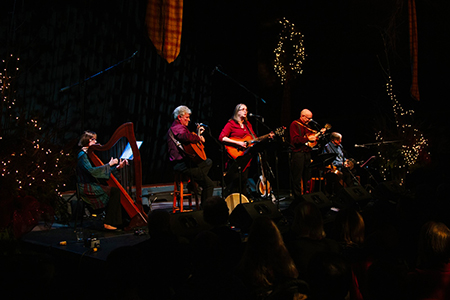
<point>183,135</point>
<point>234,131</point>
<point>298,135</point>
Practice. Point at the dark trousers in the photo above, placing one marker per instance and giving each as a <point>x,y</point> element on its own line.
<point>113,210</point>
<point>198,173</point>
<point>300,171</point>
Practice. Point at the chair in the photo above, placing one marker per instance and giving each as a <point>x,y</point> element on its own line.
<point>312,183</point>
<point>81,206</point>
<point>179,194</point>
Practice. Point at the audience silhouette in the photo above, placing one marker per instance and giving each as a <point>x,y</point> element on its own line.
<point>266,268</point>
<point>393,248</point>
<point>306,236</point>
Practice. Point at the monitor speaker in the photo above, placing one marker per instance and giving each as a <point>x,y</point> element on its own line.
<point>244,214</point>
<point>188,224</point>
<point>351,197</point>
<point>390,191</point>
<point>318,199</point>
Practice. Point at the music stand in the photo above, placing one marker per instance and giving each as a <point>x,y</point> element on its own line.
<point>128,153</point>
<point>320,162</point>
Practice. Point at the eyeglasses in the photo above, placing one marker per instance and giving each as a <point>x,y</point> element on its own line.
<point>244,108</point>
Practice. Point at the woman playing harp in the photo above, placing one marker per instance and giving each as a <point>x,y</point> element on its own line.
<point>95,194</point>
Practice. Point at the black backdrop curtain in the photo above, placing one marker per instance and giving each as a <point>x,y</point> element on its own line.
<point>78,72</point>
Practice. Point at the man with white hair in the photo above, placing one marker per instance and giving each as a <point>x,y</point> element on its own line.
<point>178,138</point>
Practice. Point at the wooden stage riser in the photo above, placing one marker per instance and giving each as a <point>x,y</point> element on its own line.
<point>151,193</point>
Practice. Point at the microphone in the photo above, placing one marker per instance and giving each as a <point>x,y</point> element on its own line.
<point>201,124</point>
<point>360,146</point>
<point>253,115</point>
<point>214,70</point>
<point>311,120</point>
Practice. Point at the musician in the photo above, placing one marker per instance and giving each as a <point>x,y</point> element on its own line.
<point>236,132</point>
<point>180,134</point>
<point>334,146</point>
<point>301,134</point>
<point>94,193</point>
<point>342,168</point>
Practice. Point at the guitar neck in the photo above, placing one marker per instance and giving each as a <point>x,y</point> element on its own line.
<point>260,138</point>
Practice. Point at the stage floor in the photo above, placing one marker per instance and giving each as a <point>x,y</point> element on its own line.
<point>61,239</point>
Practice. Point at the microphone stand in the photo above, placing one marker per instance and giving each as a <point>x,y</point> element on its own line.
<point>95,75</point>
<point>365,167</point>
<point>222,163</point>
<point>277,197</point>
<point>244,87</point>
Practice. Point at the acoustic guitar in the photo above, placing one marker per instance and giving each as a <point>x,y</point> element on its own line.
<point>263,184</point>
<point>196,151</point>
<point>235,151</point>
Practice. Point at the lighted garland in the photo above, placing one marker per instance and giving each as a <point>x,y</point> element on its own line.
<point>290,52</point>
<point>30,163</point>
<point>414,145</point>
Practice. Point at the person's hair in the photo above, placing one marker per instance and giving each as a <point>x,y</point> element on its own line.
<point>265,258</point>
<point>330,276</point>
<point>434,244</point>
<point>215,211</point>
<point>180,111</point>
<point>349,227</point>
<point>159,221</point>
<point>236,111</point>
<point>308,221</point>
<point>335,136</point>
<point>86,137</point>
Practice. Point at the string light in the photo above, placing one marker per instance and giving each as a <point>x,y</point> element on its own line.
<point>290,52</point>
<point>30,163</point>
<point>413,146</point>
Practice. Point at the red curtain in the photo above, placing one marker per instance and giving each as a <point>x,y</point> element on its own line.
<point>164,20</point>
<point>413,48</point>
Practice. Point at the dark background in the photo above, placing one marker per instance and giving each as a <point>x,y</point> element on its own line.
<point>350,47</point>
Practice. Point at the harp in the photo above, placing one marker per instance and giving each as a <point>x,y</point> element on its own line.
<point>133,208</point>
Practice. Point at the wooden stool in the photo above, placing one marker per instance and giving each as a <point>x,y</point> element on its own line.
<point>179,195</point>
<point>312,183</point>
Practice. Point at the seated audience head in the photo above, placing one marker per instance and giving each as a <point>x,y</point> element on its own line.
<point>308,221</point>
<point>434,245</point>
<point>329,276</point>
<point>215,211</point>
<point>266,257</point>
<point>349,227</point>
<point>159,222</point>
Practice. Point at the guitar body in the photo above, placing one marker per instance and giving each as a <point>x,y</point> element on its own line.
<point>264,187</point>
<point>196,151</point>
<point>312,144</point>
<point>316,136</point>
<point>234,151</point>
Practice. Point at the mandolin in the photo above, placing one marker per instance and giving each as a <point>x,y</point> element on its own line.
<point>316,135</point>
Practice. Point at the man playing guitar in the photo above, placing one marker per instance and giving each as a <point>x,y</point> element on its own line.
<point>179,139</point>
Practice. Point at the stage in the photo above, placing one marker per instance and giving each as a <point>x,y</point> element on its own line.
<point>61,239</point>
